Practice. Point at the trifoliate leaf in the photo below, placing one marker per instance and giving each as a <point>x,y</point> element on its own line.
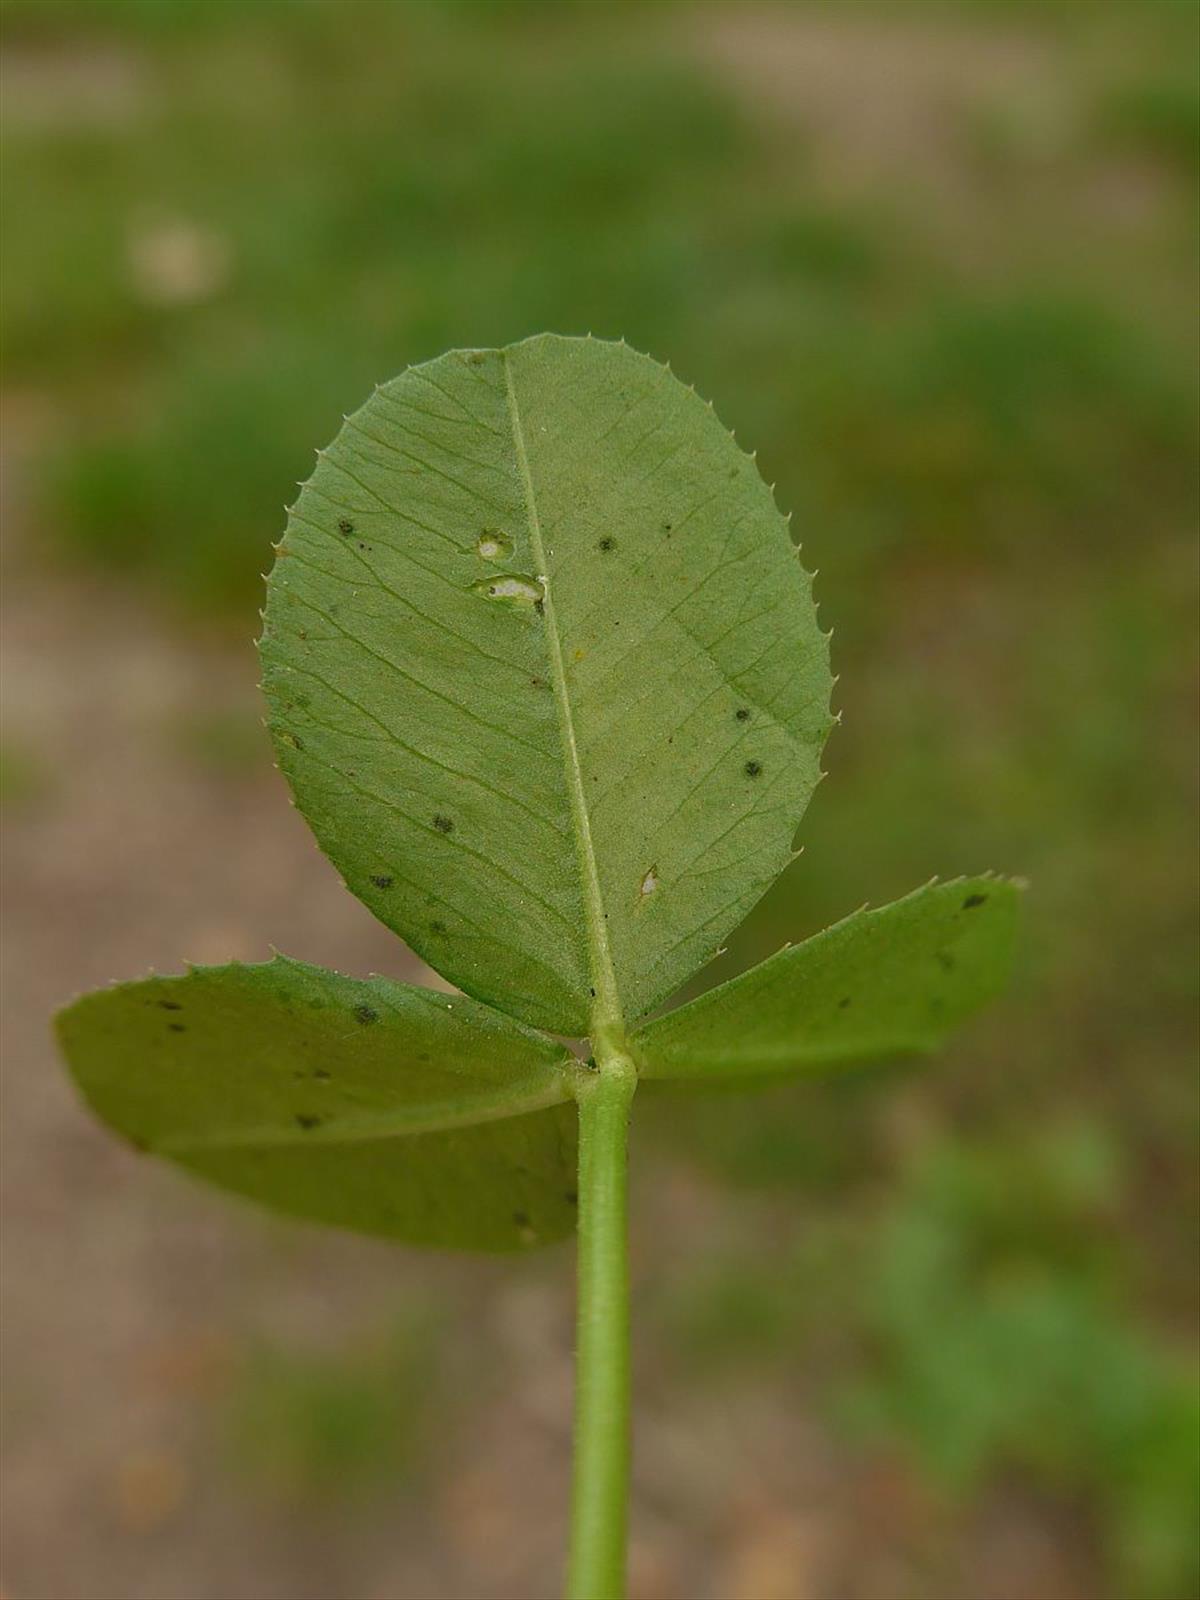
<point>545,675</point>
<point>366,1104</point>
<point>881,983</point>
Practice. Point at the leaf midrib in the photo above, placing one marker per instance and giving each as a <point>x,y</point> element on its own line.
<point>380,1126</point>
<point>606,1014</point>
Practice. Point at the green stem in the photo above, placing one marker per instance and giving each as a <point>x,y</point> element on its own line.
<point>600,1491</point>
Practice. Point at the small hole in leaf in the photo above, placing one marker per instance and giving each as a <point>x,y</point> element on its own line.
<point>753,769</point>
<point>382,881</point>
<point>742,714</point>
<point>365,1014</point>
<point>443,824</point>
<point>345,525</point>
<point>606,544</point>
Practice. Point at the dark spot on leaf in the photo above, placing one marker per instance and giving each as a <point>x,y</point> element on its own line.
<point>170,1005</point>
<point>945,959</point>
<point>752,769</point>
<point>592,992</point>
<point>382,881</point>
<point>742,713</point>
<point>322,1075</point>
<point>443,824</point>
<point>606,544</point>
<point>307,1122</point>
<point>666,527</point>
<point>572,1197</point>
<point>521,1218</point>
<point>437,927</point>
<point>365,1014</point>
<point>177,1027</point>
<point>345,525</point>
<point>540,607</point>
<point>973,900</point>
<point>843,1002</point>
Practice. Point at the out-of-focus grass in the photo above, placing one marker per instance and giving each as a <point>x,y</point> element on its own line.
<point>978,1319</point>
<point>962,337</point>
<point>308,1427</point>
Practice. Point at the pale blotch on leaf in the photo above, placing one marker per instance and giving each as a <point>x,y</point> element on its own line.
<point>493,545</point>
<point>512,587</point>
<point>649,883</point>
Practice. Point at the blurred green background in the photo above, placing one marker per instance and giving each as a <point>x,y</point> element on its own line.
<point>908,1333</point>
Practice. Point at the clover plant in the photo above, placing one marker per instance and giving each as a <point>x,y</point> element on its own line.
<point>545,677</point>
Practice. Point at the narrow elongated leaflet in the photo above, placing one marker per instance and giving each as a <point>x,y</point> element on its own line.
<point>367,1104</point>
<point>886,982</point>
<point>545,674</point>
